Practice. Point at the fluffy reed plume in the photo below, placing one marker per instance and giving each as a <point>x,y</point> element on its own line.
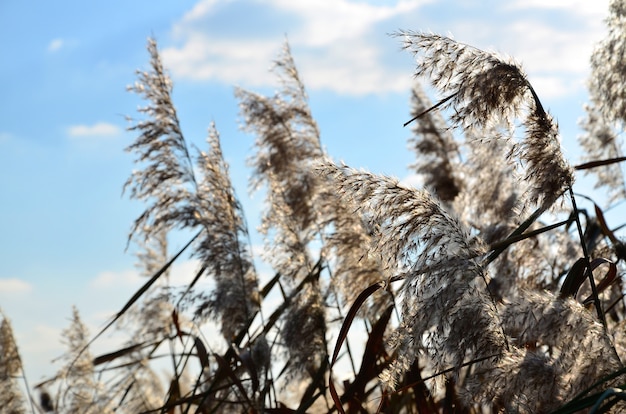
<point>287,139</point>
<point>224,246</point>
<point>153,255</point>
<point>580,351</point>
<point>436,150</point>
<point>548,172</point>
<point>600,142</point>
<point>11,398</point>
<point>606,84</point>
<point>177,198</point>
<point>83,392</point>
<point>300,208</point>
<point>446,312</point>
<point>347,246</point>
<point>304,330</point>
<point>492,200</point>
<point>152,321</point>
<point>606,114</point>
<point>557,350</point>
<point>167,178</point>
<point>487,91</point>
<point>529,354</point>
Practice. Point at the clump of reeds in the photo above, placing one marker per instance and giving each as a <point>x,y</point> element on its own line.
<point>472,298</point>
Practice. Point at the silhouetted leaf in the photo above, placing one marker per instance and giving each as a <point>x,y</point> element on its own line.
<point>606,281</point>
<point>599,163</point>
<point>117,354</point>
<point>202,353</point>
<point>343,333</point>
<point>574,279</point>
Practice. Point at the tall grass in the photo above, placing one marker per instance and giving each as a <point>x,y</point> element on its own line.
<point>488,290</point>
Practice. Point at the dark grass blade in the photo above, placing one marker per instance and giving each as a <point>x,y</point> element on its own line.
<point>599,163</point>
<point>513,236</point>
<point>191,285</point>
<point>432,108</point>
<point>173,393</point>
<point>343,333</point>
<point>576,276</point>
<point>516,238</point>
<point>609,277</point>
<point>309,398</point>
<point>179,332</point>
<point>203,355</point>
<point>583,245</point>
<point>370,369</point>
<point>615,394</point>
<point>620,248</point>
<point>145,287</point>
<point>225,367</point>
<point>111,356</point>
<point>264,292</point>
<point>423,398</point>
<point>126,393</point>
<point>605,228</point>
<point>269,285</point>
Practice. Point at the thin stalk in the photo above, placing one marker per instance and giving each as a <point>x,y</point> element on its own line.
<point>594,290</point>
<point>437,105</point>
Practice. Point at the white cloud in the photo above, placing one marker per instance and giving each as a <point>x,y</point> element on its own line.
<point>545,48</point>
<point>52,342</point>
<point>554,87</point>
<point>335,43</point>
<point>329,22</point>
<point>180,274</point>
<point>579,7</point>
<point>108,279</point>
<point>99,129</point>
<point>554,52</point>
<point>413,181</point>
<point>343,45</point>
<point>201,58</point>
<point>201,9</point>
<point>55,45</point>
<point>14,285</point>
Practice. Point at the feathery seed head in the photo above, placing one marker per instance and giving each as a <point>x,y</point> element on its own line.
<point>444,293</point>
<point>436,149</point>
<point>487,92</point>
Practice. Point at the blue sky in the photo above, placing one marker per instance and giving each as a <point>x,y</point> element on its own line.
<point>65,67</point>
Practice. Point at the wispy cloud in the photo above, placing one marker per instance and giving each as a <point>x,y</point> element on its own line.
<point>337,44</point>
<point>553,39</point>
<point>413,180</point>
<point>14,285</point>
<point>581,7</point>
<point>100,129</point>
<point>180,274</point>
<point>55,45</point>
<point>109,279</point>
<point>342,45</point>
